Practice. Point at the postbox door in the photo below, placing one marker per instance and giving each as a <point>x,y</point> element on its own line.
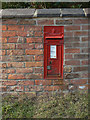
<point>54,60</point>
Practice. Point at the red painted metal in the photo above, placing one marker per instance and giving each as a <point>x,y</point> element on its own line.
<point>53,40</point>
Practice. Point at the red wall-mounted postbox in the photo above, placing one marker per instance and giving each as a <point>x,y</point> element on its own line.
<point>53,52</point>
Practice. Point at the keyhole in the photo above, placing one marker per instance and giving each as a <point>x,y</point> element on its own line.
<point>50,62</point>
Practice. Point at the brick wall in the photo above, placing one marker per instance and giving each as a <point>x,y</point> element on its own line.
<point>23,58</point>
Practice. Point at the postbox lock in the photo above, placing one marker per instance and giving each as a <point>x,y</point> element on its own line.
<point>48,67</point>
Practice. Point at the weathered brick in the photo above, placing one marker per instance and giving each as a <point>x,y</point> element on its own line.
<point>81,21</point>
<point>71,75</point>
<point>84,39</point>
<point>4,40</point>
<point>15,52</point>
<point>81,33</point>
<point>67,69</point>
<point>12,40</point>
<point>38,34</point>
<point>38,58</point>
<point>85,75</point>
<point>36,88</point>
<point>77,69</point>
<point>71,39</point>
<point>33,52</point>
<point>85,62</point>
<point>68,34</point>
<point>4,65</point>
<point>38,70</point>
<point>39,46</point>
<point>8,33</point>
<point>8,71</point>
<point>64,21</point>
<point>45,22</point>
<point>34,40</point>
<point>81,56</point>
<point>72,62</point>
<point>11,83</point>
<point>9,21</point>
<point>33,76</point>
<point>79,81</point>
<point>68,56</point>
<point>3,88</point>
<point>72,27</point>
<point>27,22</point>
<point>52,88</point>
<point>4,27</point>
<point>24,70</point>
<point>16,76</point>
<point>24,46</point>
<point>2,52</point>
<point>28,82</point>
<point>21,39</point>
<point>15,64</point>
<point>3,76</point>
<point>21,33</point>
<point>34,64</point>
<point>57,82</point>
<point>33,28</point>
<point>73,50</point>
<point>84,27</point>
<point>8,46</point>
<point>15,27</point>
<point>85,50</point>
<point>43,82</point>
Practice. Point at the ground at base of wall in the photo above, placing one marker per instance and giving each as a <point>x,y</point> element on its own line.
<point>70,105</point>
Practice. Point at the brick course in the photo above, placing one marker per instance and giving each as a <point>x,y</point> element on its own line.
<point>23,58</point>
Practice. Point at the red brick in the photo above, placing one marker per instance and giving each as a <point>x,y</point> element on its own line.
<point>3,52</point>
<point>81,56</point>
<point>52,88</point>
<point>81,33</point>
<point>15,64</point>
<point>27,22</point>
<point>9,21</point>
<point>84,62</point>
<point>24,70</point>
<point>72,50</point>
<point>15,52</point>
<point>8,71</point>
<point>64,21</point>
<point>85,75</point>
<point>79,81</point>
<point>71,27</point>
<point>84,27</point>
<point>57,82</point>
<point>33,76</point>
<point>34,64</point>
<point>35,88</point>
<point>85,50</point>
<point>9,82</point>
<point>34,52</point>
<point>45,22</point>
<point>4,40</point>
<point>38,58</point>
<point>3,88</point>
<point>8,46</point>
<point>12,40</point>
<point>16,76</point>
<point>24,46</point>
<point>38,70</point>
<point>34,40</point>
<point>39,46</point>
<point>33,28</point>
<point>4,65</point>
<point>8,33</point>
<point>4,27</point>
<point>28,82</point>
<point>43,82</point>
<point>84,39</point>
<point>80,21</point>
<point>68,34</point>
<point>3,76</point>
<point>21,33</point>
<point>77,69</point>
<point>15,27</point>
<point>68,56</point>
<point>72,62</point>
<point>38,34</point>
